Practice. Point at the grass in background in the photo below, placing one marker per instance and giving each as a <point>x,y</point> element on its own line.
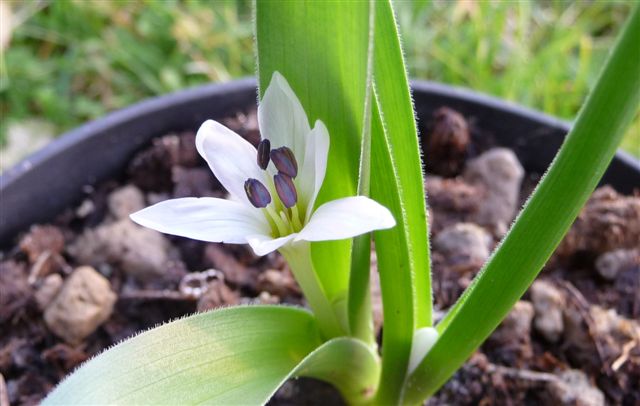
<point>72,61</point>
<point>545,55</point>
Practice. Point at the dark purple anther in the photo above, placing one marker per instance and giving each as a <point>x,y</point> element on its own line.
<point>257,193</point>
<point>264,148</point>
<point>286,190</point>
<point>285,161</point>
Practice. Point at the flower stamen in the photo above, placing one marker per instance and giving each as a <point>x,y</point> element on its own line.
<point>285,161</point>
<point>257,193</point>
<point>295,218</point>
<point>264,150</point>
<point>281,225</point>
<point>286,189</point>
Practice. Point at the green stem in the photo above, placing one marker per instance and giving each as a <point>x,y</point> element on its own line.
<point>298,256</point>
<point>359,304</point>
<point>546,218</point>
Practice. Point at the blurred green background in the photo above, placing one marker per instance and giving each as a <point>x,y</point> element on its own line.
<point>69,61</point>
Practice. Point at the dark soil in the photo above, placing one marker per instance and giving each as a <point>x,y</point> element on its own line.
<point>573,339</point>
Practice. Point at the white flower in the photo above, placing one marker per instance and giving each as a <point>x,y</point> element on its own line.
<point>270,208</point>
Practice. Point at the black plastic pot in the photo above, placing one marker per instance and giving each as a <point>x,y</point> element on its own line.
<point>44,184</point>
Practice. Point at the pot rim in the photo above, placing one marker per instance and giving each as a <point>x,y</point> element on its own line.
<point>509,107</point>
<point>121,116</point>
<point>115,119</point>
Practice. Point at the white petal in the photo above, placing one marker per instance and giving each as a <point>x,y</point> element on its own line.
<point>345,218</point>
<point>232,159</point>
<point>312,173</point>
<point>281,117</point>
<point>205,219</point>
<point>263,244</point>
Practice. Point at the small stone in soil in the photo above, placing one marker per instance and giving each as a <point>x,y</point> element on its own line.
<point>124,201</point>
<point>500,172</point>
<point>573,388</point>
<point>85,302</point>
<point>549,303</point>
<point>465,246</point>
<point>612,263</point>
<point>141,252</point>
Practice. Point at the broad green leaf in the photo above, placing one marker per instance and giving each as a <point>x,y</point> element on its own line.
<point>554,205</point>
<point>321,49</point>
<point>237,355</point>
<point>403,252</point>
<point>347,363</point>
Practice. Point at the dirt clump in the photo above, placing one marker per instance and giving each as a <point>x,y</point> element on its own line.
<point>609,221</point>
<point>447,142</point>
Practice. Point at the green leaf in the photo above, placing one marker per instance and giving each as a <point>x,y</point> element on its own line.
<point>403,252</point>
<point>321,49</point>
<point>359,301</point>
<point>397,115</point>
<point>237,355</point>
<point>394,267</point>
<point>573,175</point>
<point>348,363</point>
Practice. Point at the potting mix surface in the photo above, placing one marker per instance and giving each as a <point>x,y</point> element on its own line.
<point>90,278</point>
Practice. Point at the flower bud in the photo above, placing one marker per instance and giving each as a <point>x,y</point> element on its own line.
<point>264,149</point>
<point>285,161</point>
<point>257,193</point>
<point>286,189</point>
